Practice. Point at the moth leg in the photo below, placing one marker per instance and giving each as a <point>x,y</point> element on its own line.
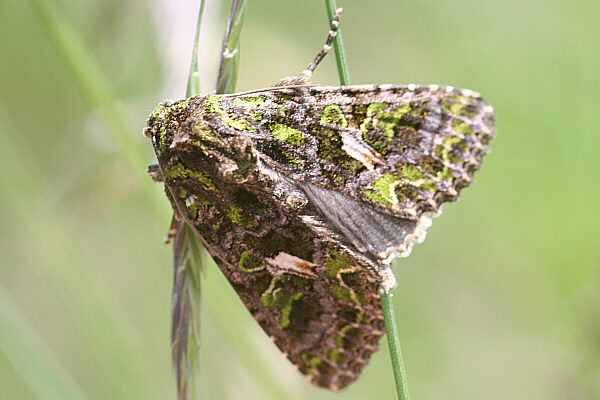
<point>173,229</point>
<point>157,176</point>
<point>155,173</point>
<point>303,78</point>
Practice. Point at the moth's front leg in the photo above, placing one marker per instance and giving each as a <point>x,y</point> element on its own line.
<point>155,173</point>
<point>175,226</point>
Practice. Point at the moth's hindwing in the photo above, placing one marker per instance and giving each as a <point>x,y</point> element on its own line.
<point>302,194</point>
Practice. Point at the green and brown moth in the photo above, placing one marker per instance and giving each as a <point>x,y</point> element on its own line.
<point>304,194</point>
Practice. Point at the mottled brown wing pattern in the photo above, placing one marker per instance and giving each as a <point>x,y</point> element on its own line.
<point>402,150</point>
<point>308,291</point>
<point>406,149</point>
<point>302,194</point>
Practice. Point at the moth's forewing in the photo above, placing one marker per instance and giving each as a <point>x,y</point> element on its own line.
<point>305,288</point>
<point>301,195</point>
<point>401,151</point>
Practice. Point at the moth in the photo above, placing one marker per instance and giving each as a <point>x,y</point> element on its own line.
<point>304,194</point>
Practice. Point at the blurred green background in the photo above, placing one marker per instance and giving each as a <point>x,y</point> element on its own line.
<point>501,301</point>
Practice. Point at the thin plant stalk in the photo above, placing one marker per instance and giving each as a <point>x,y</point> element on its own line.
<point>394,344</point>
<point>386,303</point>
<point>194,87</point>
<point>338,46</point>
<point>230,52</point>
<point>188,262</point>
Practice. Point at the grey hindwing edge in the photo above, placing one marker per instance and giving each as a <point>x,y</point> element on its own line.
<point>383,235</point>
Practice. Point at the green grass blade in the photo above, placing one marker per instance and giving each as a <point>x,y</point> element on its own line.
<point>31,358</point>
<point>45,226</point>
<point>99,93</point>
<point>193,87</point>
<point>394,344</point>
<point>338,45</point>
<point>188,263</point>
<point>94,86</point>
<point>386,303</point>
<point>230,52</point>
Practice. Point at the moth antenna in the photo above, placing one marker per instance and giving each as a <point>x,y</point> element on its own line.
<point>335,23</point>
<point>303,78</point>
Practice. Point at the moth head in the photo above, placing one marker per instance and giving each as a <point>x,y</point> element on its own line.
<point>185,133</point>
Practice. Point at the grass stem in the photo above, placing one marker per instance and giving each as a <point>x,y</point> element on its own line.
<point>338,46</point>
<point>194,87</point>
<point>230,52</point>
<point>394,345</point>
<point>386,303</point>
